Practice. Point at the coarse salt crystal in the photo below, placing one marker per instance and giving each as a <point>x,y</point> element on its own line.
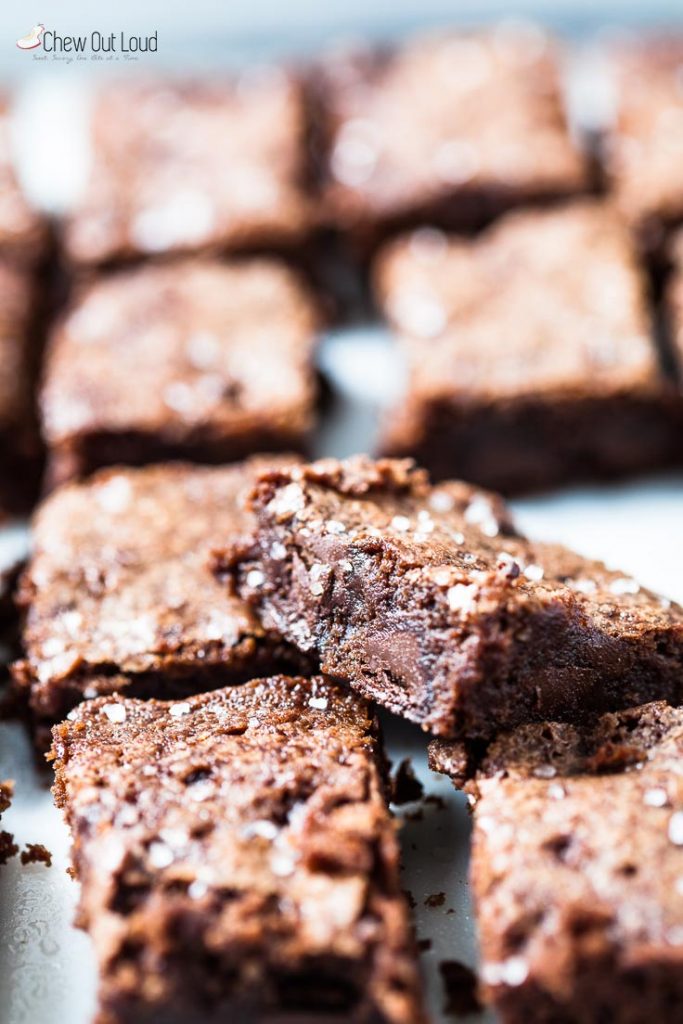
<point>180,709</point>
<point>255,578</point>
<point>116,713</point>
<point>319,703</point>
<point>675,830</point>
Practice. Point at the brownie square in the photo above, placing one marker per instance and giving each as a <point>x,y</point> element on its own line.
<point>428,601</point>
<point>189,166</point>
<point>23,231</point>
<point>237,857</point>
<point>199,360</point>
<point>576,868</point>
<point>20,449</point>
<point>450,128</point>
<point>117,594</point>
<point>531,358</point>
<point>644,149</point>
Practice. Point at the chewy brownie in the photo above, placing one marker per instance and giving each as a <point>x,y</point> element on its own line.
<point>198,360</point>
<point>117,594</point>
<point>577,869</point>
<point>644,148</point>
<point>449,128</point>
<point>237,858</point>
<point>531,356</point>
<point>189,166</point>
<point>20,450</point>
<point>426,600</point>
<point>23,232</point>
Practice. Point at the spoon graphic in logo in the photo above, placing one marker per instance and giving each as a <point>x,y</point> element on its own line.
<point>32,38</point>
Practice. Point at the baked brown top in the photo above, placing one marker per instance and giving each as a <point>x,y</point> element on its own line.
<point>184,351</point>
<point>246,830</point>
<point>543,302</point>
<point>578,853</point>
<point>22,229</point>
<point>118,582</point>
<point>186,166</point>
<point>427,600</point>
<point>645,147</point>
<point>445,114</point>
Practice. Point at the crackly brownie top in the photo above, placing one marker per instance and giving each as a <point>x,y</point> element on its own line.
<point>547,301</point>
<point>450,541</point>
<point>17,295</point>
<point>177,348</point>
<point>447,112</point>
<point>118,576</point>
<point>260,809</point>
<point>186,165</point>
<point>579,832</point>
<point>645,149</point>
<point>22,229</point>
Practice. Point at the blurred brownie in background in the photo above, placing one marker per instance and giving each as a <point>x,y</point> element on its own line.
<point>20,448</point>
<point>117,595</point>
<point>531,355</point>
<point>237,858</point>
<point>191,166</point>
<point>196,360</point>
<point>448,128</point>
<point>644,149</point>
<point>576,867</point>
<point>23,231</point>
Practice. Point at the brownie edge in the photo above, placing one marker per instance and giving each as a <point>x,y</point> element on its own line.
<point>237,857</point>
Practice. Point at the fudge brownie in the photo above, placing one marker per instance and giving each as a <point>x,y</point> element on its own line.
<point>199,361</point>
<point>23,231</point>
<point>189,166</point>
<point>644,148</point>
<point>117,594</point>
<point>450,128</point>
<point>531,355</point>
<point>20,449</point>
<point>577,869</point>
<point>237,857</point>
<point>426,600</point>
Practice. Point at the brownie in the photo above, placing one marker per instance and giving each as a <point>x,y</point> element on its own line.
<point>673,306</point>
<point>237,857</point>
<point>23,232</point>
<point>448,127</point>
<point>644,147</point>
<point>531,355</point>
<point>425,599</point>
<point>20,449</point>
<point>117,595</point>
<point>576,869</point>
<point>187,166</point>
<point>193,360</point>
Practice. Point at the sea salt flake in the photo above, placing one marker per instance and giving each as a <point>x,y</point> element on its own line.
<point>116,713</point>
<point>675,830</point>
<point>334,526</point>
<point>534,572</point>
<point>624,585</point>
<point>462,597</point>
<point>262,827</point>
<point>255,579</point>
<point>319,703</point>
<point>401,523</point>
<point>655,797</point>
<point>180,709</point>
<point>160,855</point>
<point>545,771</point>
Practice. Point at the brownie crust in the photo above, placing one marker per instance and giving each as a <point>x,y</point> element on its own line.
<point>530,351</point>
<point>237,857</point>
<point>197,360</point>
<point>426,600</point>
<point>576,867</point>
<point>192,167</point>
<point>117,595</point>
<point>449,129</point>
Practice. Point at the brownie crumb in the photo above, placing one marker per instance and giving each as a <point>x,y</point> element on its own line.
<point>407,788</point>
<point>36,853</point>
<point>437,801</point>
<point>435,899</point>
<point>412,902</point>
<point>460,985</point>
<point>8,848</point>
<point>424,945</point>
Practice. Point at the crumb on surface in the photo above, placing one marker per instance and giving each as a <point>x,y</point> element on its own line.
<point>8,848</point>
<point>36,853</point>
<point>460,985</point>
<point>424,945</point>
<point>407,788</point>
<point>435,899</point>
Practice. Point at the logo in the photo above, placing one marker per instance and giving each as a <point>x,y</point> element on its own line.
<point>32,39</point>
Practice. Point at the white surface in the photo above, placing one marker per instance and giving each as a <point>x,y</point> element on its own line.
<point>46,968</point>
